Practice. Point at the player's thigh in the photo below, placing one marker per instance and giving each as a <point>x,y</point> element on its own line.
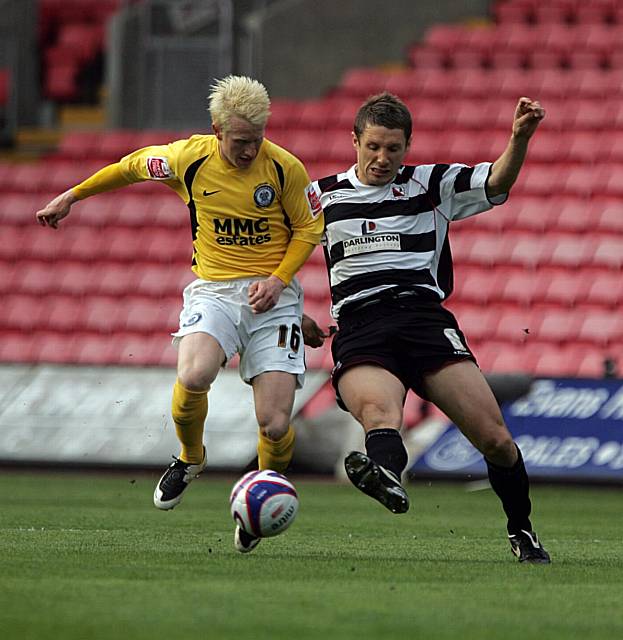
<point>373,395</point>
<point>199,359</point>
<point>462,393</point>
<point>273,393</point>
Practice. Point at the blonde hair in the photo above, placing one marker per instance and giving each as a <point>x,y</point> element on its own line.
<point>239,96</point>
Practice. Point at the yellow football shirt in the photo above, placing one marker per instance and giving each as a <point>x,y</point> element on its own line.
<point>242,220</point>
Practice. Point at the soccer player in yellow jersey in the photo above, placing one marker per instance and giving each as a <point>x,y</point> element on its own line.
<point>255,220</point>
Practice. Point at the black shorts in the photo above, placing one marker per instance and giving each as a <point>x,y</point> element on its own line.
<point>406,335</point>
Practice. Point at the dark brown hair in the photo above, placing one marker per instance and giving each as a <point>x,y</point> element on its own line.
<point>384,110</point>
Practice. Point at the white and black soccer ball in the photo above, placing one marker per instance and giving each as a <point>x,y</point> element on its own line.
<point>264,503</point>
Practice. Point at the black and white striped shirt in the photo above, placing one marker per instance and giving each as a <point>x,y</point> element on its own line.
<point>396,235</point>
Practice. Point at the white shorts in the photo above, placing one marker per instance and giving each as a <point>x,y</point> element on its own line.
<point>269,341</point>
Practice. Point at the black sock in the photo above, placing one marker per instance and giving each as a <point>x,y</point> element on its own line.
<point>512,486</point>
<point>386,448</point>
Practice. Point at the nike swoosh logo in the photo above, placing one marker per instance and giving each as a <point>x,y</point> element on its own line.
<point>210,193</point>
<point>291,356</point>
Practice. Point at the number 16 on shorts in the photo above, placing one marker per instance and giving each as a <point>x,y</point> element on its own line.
<point>290,337</point>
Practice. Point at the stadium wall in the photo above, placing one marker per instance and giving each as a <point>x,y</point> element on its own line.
<point>120,416</point>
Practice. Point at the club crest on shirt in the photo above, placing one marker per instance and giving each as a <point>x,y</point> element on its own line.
<point>398,191</point>
<point>264,195</point>
<point>158,168</point>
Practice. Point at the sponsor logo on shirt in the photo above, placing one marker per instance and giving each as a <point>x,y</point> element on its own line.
<point>264,195</point>
<point>241,231</point>
<point>372,242</point>
<point>313,201</point>
<point>158,168</point>
<point>192,320</point>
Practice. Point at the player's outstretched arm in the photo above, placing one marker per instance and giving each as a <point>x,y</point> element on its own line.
<point>106,179</point>
<point>505,170</point>
<point>57,209</point>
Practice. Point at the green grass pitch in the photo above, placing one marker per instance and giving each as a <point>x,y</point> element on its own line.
<point>86,556</point>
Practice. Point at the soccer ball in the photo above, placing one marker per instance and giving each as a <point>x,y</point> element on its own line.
<point>264,503</point>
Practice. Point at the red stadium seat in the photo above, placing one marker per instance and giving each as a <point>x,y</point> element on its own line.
<point>22,312</point>
<point>565,287</point>
<point>512,358</point>
<point>514,324</point>
<point>113,145</point>
<point>592,362</point>
<point>148,316</point>
<point>519,287</point>
<point>424,56</point>
<point>601,327</point>
<point>608,253</point>
<point>605,288</point>
<point>96,349</point>
<point>57,348</point>
<point>102,211</point>
<point>477,323</point>
<point>527,250</point>
<point>545,13</point>
<point>142,350</point>
<point>76,278</point>
<point>115,279</point>
<point>165,246</point>
<point>315,282</point>
<point>78,145</point>
<point>17,347</point>
<point>19,208</point>
<point>285,114</point>
<point>558,326</point>
<point>309,146</point>
<point>362,82</point>
<point>583,146</point>
<point>558,360</point>
<point>475,285</point>
<point>63,313</point>
<point>571,251</point>
<point>9,272</point>
<point>427,115</point>
<point>445,37</point>
<point>103,314</point>
<point>157,280</point>
<point>478,248</point>
<point>36,278</point>
<point>512,13</point>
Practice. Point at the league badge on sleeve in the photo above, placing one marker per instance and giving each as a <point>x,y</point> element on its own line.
<point>158,168</point>
<point>313,201</point>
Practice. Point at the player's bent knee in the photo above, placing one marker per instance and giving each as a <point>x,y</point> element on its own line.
<point>274,433</point>
<point>194,379</point>
<point>273,426</point>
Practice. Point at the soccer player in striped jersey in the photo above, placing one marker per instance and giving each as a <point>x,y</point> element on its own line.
<point>255,219</point>
<point>390,269</point>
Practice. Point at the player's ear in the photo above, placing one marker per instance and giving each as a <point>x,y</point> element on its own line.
<point>355,139</point>
<point>218,132</point>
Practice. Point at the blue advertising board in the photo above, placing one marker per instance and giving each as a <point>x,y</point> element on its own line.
<point>564,427</point>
